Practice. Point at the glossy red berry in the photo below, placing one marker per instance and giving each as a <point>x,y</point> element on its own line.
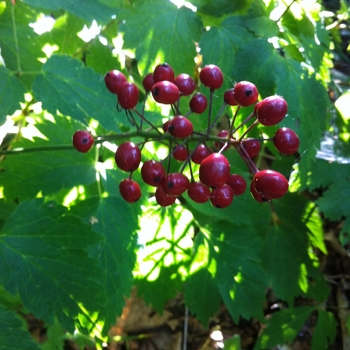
<point>245,93</point>
<point>252,147</point>
<point>82,141</point>
<point>221,197</point>
<point>113,80</point>
<point>198,192</point>
<point>270,184</point>
<point>237,183</point>
<point>229,97</point>
<point>198,103</point>
<point>165,92</point>
<point>286,141</point>
<point>128,156</point>
<point>164,199</point>
<point>180,127</point>
<point>201,152</point>
<point>163,72</point>
<point>256,195</point>
<point>185,83</point>
<point>166,125</point>
<point>271,110</point>
<point>219,145</point>
<point>180,153</point>
<point>130,190</point>
<point>175,184</point>
<point>148,82</point>
<point>211,76</point>
<point>152,173</point>
<point>128,95</point>
<point>214,170</point>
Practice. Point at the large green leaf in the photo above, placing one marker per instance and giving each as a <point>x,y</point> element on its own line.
<point>12,91</point>
<point>12,333</point>
<point>219,8</point>
<point>117,222</point>
<point>24,175</point>
<point>87,9</point>
<point>20,46</point>
<point>66,85</point>
<point>325,331</point>
<point>43,254</point>
<point>201,289</point>
<point>160,32</point>
<point>239,273</point>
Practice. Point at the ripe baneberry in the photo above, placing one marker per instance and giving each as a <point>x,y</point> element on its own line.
<point>245,93</point>
<point>152,173</point>
<point>214,170</point>
<point>113,80</point>
<point>271,110</point>
<point>198,192</point>
<point>180,127</point>
<point>221,197</point>
<point>128,156</point>
<point>82,141</point>
<point>130,190</point>
<point>270,184</point>
<point>163,72</point>
<point>286,141</point>
<point>165,92</point>
<point>211,76</point>
<point>128,95</point>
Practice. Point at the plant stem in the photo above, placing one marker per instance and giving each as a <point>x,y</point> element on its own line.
<point>209,110</point>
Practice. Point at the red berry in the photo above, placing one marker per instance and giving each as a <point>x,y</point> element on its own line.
<point>252,147</point>
<point>219,145</point>
<point>185,83</point>
<point>180,127</point>
<point>221,197</point>
<point>237,183</point>
<point>270,184</point>
<point>229,97</point>
<point>201,152</point>
<point>152,173</point>
<point>198,192</point>
<point>180,153</point>
<point>245,93</point>
<point>271,110</point>
<point>164,199</point>
<point>128,95</point>
<point>113,80</point>
<point>128,156</point>
<point>165,92</point>
<point>148,82</point>
<point>198,103</point>
<point>82,141</point>
<point>166,126</point>
<point>256,195</point>
<point>163,72</point>
<point>175,184</point>
<point>130,190</point>
<point>214,170</point>
<point>286,141</point>
<point>211,76</point>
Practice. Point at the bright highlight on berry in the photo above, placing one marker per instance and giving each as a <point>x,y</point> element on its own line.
<point>201,172</point>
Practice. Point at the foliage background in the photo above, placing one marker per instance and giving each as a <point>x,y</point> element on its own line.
<point>66,235</point>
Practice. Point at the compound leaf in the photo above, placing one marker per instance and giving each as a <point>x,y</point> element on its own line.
<point>43,253</point>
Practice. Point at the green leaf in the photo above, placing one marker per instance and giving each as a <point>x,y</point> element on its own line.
<point>325,331</point>
<point>64,34</point>
<point>117,223</point>
<point>233,343</point>
<point>201,289</point>
<point>283,327</point>
<point>66,85</point>
<point>21,55</point>
<point>89,10</point>
<point>12,333</point>
<point>26,174</point>
<point>55,337</point>
<point>219,8</point>
<point>12,91</point>
<point>174,31</point>
<point>167,285</point>
<point>239,274</point>
<point>344,236</point>
<point>42,253</point>
<point>335,201</point>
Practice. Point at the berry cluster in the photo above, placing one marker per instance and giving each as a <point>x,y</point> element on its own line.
<point>216,182</point>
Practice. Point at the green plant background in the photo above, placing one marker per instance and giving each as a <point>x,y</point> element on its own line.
<point>65,233</point>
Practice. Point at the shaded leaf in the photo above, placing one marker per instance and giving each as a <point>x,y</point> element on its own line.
<point>12,333</point>
<point>325,331</point>
<point>42,253</point>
